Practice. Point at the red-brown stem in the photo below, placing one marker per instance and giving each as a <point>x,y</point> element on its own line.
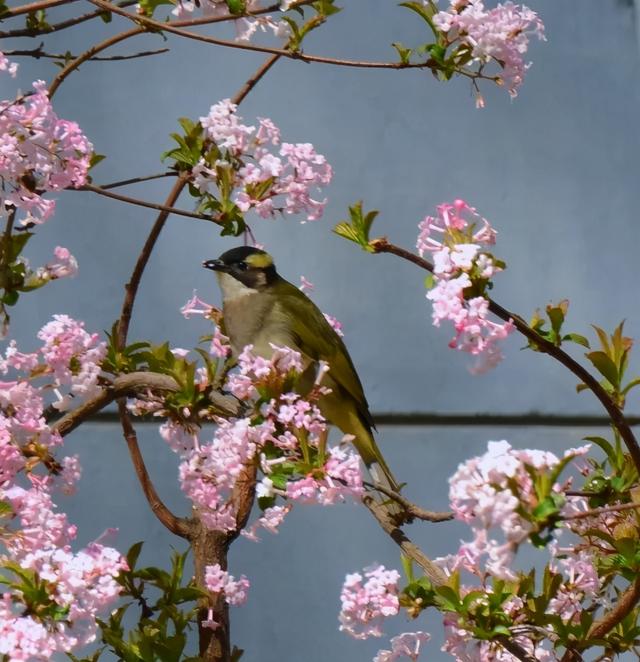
<point>148,205</point>
<point>177,525</point>
<point>131,288</point>
<point>62,25</point>
<point>88,54</point>
<point>34,6</point>
<point>38,53</point>
<point>382,245</point>
<point>294,55</point>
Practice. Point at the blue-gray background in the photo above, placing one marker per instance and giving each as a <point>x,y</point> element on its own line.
<point>555,171</point>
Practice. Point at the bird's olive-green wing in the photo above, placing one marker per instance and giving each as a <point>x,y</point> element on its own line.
<point>317,339</point>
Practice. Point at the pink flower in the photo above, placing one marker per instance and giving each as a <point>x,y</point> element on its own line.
<point>218,580</point>
<point>407,645</point>
<point>263,181</point>
<point>196,306</point>
<point>499,35</point>
<point>39,153</point>
<point>460,261</point>
<point>367,601</point>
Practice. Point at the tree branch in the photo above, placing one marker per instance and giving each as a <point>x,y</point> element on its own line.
<point>177,525</point>
<point>34,7</point>
<point>382,245</point>
<point>294,55</point>
<point>411,508</point>
<point>168,209</point>
<point>136,180</point>
<point>35,32</point>
<point>88,54</point>
<point>410,549</point>
<point>131,288</point>
<point>38,53</point>
<point>132,384</point>
<point>623,607</point>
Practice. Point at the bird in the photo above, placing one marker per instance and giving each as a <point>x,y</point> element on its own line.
<point>261,308</point>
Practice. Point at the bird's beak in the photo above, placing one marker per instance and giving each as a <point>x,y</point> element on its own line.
<point>215,265</point>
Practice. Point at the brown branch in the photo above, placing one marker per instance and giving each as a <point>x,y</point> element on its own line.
<point>88,54</point>
<point>623,607</point>
<point>132,384</point>
<point>410,549</point>
<point>131,288</point>
<point>62,25</point>
<point>177,525</point>
<point>411,508</point>
<point>38,53</point>
<point>166,209</point>
<point>34,7</point>
<point>207,20</point>
<point>136,180</point>
<point>294,55</point>
<point>253,81</point>
<point>382,245</point>
<point>600,511</point>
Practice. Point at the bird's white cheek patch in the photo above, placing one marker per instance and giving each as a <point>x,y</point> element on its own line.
<point>233,288</point>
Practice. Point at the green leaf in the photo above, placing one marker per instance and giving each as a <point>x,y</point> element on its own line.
<point>237,7</point>
<point>359,227</point>
<point>95,159</point>
<point>577,338</point>
<point>133,554</point>
<point>605,366</point>
<point>425,12</point>
<point>403,52</point>
<point>149,6</point>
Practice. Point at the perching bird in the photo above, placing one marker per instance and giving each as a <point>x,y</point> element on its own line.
<point>260,307</point>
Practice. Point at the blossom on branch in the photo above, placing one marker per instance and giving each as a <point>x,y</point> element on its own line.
<point>367,601</point>
<point>256,171</point>
<point>39,153</point>
<point>463,268</point>
<point>491,36</point>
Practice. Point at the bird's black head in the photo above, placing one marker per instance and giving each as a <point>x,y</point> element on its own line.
<point>252,267</point>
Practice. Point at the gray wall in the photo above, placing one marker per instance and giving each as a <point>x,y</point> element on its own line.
<point>555,171</point>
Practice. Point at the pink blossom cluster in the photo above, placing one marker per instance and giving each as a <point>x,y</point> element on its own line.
<point>367,600</point>
<point>246,27</point>
<point>488,493</point>
<point>39,153</point>
<point>218,580</point>
<point>209,471</point>
<point>79,585</point>
<point>461,262</point>
<point>37,537</point>
<point>405,645</point>
<point>263,180</point>
<point>499,35</point>
<point>581,581</point>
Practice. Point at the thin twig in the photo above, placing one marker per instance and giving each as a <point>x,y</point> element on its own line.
<point>137,180</point>
<point>34,7</point>
<point>382,245</point>
<point>88,54</point>
<point>62,25</point>
<point>410,507</point>
<point>410,549</point>
<point>177,525</point>
<point>135,383</point>
<point>253,81</point>
<point>131,288</point>
<point>600,511</point>
<point>294,55</point>
<point>38,53</point>
<point>168,209</point>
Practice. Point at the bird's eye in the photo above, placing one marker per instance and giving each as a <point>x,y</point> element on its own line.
<point>242,266</point>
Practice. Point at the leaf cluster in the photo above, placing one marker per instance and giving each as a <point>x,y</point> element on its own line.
<point>160,633</point>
